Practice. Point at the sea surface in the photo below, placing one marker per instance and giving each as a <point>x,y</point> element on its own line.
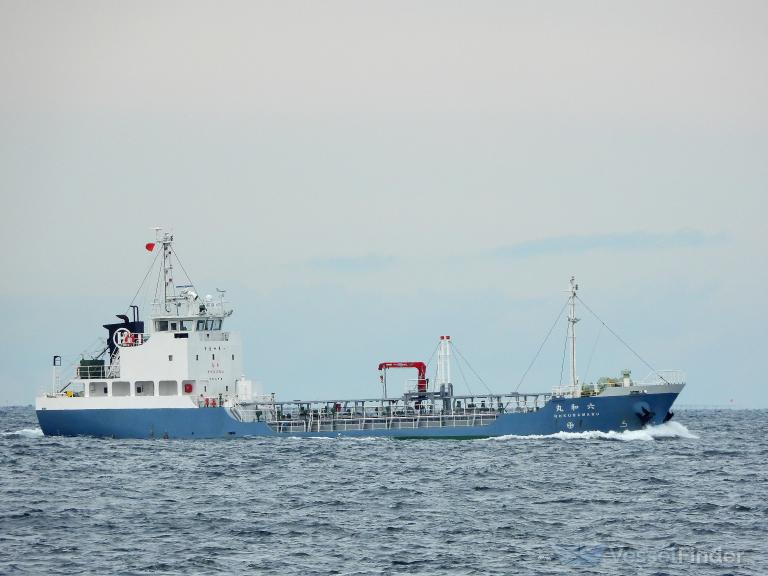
<point>687,497</point>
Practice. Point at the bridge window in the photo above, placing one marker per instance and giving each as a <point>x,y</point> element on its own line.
<point>174,326</point>
<point>121,388</point>
<point>186,325</point>
<point>145,388</point>
<point>200,325</point>
<point>161,325</point>
<point>168,388</point>
<point>98,389</point>
<point>217,324</point>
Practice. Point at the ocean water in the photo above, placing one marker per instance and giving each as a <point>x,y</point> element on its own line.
<point>687,497</point>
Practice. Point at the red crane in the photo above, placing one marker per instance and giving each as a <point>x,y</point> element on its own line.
<point>421,384</point>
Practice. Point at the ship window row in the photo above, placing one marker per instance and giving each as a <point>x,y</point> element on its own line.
<point>146,388</point>
<point>202,325</point>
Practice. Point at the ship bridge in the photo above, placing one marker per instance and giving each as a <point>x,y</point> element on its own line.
<point>182,350</point>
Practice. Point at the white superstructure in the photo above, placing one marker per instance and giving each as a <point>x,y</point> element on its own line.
<point>182,356</point>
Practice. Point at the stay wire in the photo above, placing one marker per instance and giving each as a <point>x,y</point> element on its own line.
<point>431,357</point>
<point>145,299</point>
<point>591,354</point>
<point>540,347</point>
<point>183,269</point>
<point>433,354</point>
<point>472,369</point>
<point>565,352</point>
<point>157,283</point>
<point>620,339</point>
<point>466,383</point>
<point>151,266</point>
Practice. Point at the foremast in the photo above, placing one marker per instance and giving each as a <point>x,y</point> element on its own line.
<point>572,320</point>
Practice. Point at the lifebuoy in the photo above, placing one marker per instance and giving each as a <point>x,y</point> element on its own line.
<point>129,339</point>
<point>188,388</point>
<point>120,335</point>
<point>213,402</point>
<point>206,402</point>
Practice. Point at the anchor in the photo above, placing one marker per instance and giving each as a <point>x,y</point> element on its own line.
<point>643,411</point>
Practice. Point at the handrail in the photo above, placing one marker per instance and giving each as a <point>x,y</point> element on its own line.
<point>663,377</point>
<point>381,422</point>
<point>368,415</point>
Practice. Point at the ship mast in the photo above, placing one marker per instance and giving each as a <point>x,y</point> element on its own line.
<point>166,239</point>
<point>444,361</point>
<point>575,387</point>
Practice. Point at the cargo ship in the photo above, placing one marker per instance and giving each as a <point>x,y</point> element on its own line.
<point>179,374</point>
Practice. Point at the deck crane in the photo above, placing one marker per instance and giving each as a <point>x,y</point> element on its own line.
<point>421,383</point>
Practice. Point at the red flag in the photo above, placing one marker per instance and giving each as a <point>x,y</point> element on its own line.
<point>149,246</point>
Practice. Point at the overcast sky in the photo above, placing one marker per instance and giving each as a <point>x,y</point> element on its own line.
<point>366,176</point>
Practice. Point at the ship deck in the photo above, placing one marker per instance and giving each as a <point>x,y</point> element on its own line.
<point>412,411</point>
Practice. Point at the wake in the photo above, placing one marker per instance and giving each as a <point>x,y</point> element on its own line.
<point>649,434</point>
<point>23,433</point>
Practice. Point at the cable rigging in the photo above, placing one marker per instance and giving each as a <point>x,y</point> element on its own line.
<point>472,369</point>
<point>151,266</point>
<point>541,346</point>
<point>591,354</point>
<point>565,353</point>
<point>620,339</point>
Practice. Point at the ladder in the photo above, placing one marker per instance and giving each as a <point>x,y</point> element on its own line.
<point>114,365</point>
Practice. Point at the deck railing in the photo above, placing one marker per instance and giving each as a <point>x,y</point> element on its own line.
<point>322,423</point>
<point>662,377</point>
<point>371,414</point>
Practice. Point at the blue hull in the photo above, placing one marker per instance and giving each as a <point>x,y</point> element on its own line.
<point>615,413</point>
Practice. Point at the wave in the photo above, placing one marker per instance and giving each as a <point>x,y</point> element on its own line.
<point>649,434</point>
<point>662,431</point>
<point>24,433</point>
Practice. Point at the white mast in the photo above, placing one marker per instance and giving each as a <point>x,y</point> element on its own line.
<point>167,240</point>
<point>55,385</point>
<point>575,387</point>
<point>444,361</point>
